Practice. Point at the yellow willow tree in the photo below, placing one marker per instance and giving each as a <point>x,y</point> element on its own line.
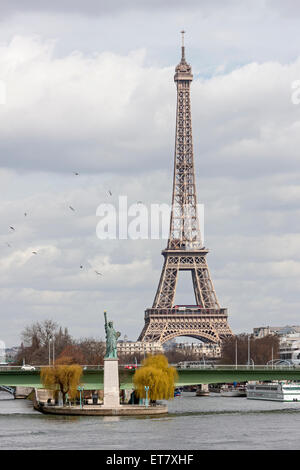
<point>64,378</point>
<point>156,374</point>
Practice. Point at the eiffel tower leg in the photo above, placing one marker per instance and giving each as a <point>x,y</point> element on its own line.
<point>204,290</point>
<point>167,285</point>
<point>154,330</point>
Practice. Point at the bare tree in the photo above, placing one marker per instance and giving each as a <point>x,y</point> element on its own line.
<point>36,342</point>
<point>261,349</point>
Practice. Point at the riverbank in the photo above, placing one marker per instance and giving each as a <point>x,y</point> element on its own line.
<point>99,410</point>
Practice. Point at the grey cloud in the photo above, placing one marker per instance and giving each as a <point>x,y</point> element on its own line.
<point>288,8</point>
<point>102,7</point>
<point>80,114</point>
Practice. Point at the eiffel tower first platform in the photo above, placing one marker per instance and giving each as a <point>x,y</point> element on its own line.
<point>206,320</point>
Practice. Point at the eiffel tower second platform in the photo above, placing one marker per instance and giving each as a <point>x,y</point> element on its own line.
<point>206,321</point>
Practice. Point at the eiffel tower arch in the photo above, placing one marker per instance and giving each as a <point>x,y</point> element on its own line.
<point>205,320</point>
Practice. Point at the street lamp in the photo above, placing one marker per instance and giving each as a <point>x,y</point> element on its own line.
<point>80,390</point>
<point>51,339</point>
<point>248,350</point>
<point>272,357</point>
<point>147,390</point>
<point>49,342</point>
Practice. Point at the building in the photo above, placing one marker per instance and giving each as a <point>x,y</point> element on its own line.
<point>263,331</point>
<point>11,353</point>
<point>138,347</point>
<point>289,347</point>
<point>202,350</point>
<point>289,340</point>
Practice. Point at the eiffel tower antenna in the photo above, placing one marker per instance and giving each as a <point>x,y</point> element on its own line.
<point>205,320</point>
<point>182,45</point>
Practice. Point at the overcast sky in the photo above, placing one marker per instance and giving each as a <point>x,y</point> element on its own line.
<point>89,89</point>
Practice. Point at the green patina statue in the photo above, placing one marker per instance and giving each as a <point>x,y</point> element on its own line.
<point>111,339</point>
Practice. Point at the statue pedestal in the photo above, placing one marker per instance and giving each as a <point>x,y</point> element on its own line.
<point>111,384</point>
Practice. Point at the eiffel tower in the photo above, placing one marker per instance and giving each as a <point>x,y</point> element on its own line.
<point>206,320</point>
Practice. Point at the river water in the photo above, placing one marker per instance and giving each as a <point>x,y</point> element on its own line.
<point>213,422</point>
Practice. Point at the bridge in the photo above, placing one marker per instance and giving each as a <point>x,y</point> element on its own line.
<point>92,379</point>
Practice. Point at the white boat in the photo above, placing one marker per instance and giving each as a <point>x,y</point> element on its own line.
<point>232,391</point>
<point>274,391</point>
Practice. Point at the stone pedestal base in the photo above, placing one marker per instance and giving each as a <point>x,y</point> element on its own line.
<point>111,384</point>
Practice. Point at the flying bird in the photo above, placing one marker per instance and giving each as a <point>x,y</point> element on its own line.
<point>75,173</point>
<point>72,208</point>
<point>109,192</point>
<point>12,227</point>
<point>81,266</point>
<point>99,274</point>
<point>34,252</point>
<point>25,214</point>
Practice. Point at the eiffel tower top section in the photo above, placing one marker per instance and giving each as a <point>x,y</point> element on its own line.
<point>183,69</point>
<point>184,225</point>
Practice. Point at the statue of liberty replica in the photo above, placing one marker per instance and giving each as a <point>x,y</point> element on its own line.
<point>111,367</point>
<point>111,339</point>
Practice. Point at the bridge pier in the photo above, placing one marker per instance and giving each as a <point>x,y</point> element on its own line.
<point>22,392</point>
<point>202,390</point>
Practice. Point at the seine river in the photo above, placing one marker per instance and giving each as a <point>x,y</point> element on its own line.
<point>213,422</point>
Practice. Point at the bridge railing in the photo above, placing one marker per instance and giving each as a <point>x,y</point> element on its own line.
<point>39,367</point>
<point>239,367</point>
<point>179,367</point>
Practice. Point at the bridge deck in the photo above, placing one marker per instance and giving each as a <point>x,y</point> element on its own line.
<point>93,379</point>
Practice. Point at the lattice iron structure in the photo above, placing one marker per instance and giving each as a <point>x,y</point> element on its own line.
<point>185,251</point>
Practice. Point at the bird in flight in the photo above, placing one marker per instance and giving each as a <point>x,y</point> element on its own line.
<point>12,227</point>
<point>72,208</point>
<point>97,272</point>
<point>81,266</point>
<point>34,252</point>
<point>75,173</point>
<point>109,192</point>
<point>25,214</point>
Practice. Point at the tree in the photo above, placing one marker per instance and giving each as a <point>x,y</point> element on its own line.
<point>93,350</point>
<point>37,338</point>
<point>260,349</point>
<point>39,333</point>
<point>65,378</point>
<point>156,374</point>
<point>71,354</point>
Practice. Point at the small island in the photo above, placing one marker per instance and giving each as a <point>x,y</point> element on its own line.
<point>65,381</point>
